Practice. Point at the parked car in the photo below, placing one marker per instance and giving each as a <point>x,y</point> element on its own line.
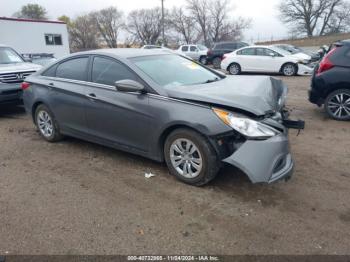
<point>42,59</point>
<point>152,47</point>
<point>167,108</point>
<point>215,55</point>
<point>303,54</point>
<point>266,59</point>
<point>13,70</point>
<point>330,84</point>
<point>196,52</point>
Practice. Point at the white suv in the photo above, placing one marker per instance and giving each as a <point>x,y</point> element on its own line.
<point>13,70</point>
<point>196,52</point>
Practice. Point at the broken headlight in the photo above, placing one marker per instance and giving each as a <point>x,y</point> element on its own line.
<point>246,126</point>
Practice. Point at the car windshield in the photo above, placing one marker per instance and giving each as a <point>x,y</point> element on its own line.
<point>289,48</point>
<point>173,70</point>
<point>202,47</point>
<point>9,56</point>
<point>280,50</point>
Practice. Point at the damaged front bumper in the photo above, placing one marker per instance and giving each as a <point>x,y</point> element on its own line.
<point>264,161</point>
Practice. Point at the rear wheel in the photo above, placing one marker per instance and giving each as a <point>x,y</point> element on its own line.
<point>46,124</point>
<point>337,104</point>
<point>190,157</point>
<point>289,69</point>
<point>203,60</point>
<point>234,69</point>
<point>217,62</point>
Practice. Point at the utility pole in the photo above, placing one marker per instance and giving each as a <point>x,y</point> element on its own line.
<point>163,37</point>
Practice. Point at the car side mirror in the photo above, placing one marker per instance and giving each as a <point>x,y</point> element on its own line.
<point>128,85</point>
<point>272,54</point>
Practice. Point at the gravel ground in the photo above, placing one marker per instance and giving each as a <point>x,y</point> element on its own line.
<point>75,197</point>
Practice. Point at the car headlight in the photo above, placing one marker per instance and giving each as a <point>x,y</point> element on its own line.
<point>247,127</point>
<point>303,61</point>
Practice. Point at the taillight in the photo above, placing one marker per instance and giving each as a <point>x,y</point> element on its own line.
<point>224,57</point>
<point>25,85</point>
<point>326,63</point>
<point>209,52</point>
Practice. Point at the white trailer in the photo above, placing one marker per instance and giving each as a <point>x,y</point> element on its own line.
<point>29,36</point>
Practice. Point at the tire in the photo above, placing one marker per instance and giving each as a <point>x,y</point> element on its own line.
<point>217,62</point>
<point>203,60</point>
<point>289,69</point>
<point>202,171</point>
<point>337,104</point>
<point>46,124</point>
<point>234,69</point>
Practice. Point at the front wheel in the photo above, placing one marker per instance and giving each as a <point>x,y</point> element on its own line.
<point>190,157</point>
<point>234,69</point>
<point>289,69</point>
<point>337,104</point>
<point>217,62</point>
<point>46,124</point>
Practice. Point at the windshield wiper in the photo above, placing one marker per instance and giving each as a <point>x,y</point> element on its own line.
<point>211,80</point>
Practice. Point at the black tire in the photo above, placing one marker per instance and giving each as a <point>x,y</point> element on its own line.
<point>209,165</point>
<point>340,97</point>
<point>203,60</point>
<point>217,62</point>
<point>234,69</point>
<point>289,69</point>
<point>55,134</point>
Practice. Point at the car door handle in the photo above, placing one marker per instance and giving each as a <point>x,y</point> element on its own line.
<point>92,96</point>
<point>50,85</point>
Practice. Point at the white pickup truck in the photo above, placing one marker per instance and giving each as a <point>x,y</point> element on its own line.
<point>13,70</point>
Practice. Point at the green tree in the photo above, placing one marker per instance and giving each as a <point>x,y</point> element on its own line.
<point>32,11</point>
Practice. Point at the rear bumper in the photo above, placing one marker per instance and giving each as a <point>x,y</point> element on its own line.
<point>10,93</point>
<point>315,98</point>
<point>264,161</point>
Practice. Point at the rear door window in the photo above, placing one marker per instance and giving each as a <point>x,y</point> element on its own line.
<point>107,71</point>
<point>247,51</point>
<point>75,69</point>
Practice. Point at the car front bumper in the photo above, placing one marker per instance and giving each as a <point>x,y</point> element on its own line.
<point>304,69</point>
<point>264,161</point>
<point>10,93</point>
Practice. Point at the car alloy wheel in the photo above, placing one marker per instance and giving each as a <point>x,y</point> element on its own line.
<point>186,158</point>
<point>203,60</point>
<point>234,69</point>
<point>289,70</point>
<point>217,62</point>
<point>45,124</point>
<point>338,105</point>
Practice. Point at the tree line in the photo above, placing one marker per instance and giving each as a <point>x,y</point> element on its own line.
<point>315,17</point>
<point>199,21</point>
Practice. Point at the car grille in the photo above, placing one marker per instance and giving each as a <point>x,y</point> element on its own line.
<point>17,77</point>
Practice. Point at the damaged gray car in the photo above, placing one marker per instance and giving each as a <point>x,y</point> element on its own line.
<point>168,108</point>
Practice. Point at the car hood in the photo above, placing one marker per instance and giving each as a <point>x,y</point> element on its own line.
<point>18,67</point>
<point>259,95</point>
<point>301,56</point>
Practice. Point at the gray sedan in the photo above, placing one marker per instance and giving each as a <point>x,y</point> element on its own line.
<point>165,107</point>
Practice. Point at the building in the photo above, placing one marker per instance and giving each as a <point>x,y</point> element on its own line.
<point>29,36</point>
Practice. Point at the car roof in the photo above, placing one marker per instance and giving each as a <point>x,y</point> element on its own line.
<point>127,52</point>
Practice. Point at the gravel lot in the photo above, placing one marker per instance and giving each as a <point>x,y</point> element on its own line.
<point>75,197</point>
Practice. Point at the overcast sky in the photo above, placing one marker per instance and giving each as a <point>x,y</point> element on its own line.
<point>263,12</point>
